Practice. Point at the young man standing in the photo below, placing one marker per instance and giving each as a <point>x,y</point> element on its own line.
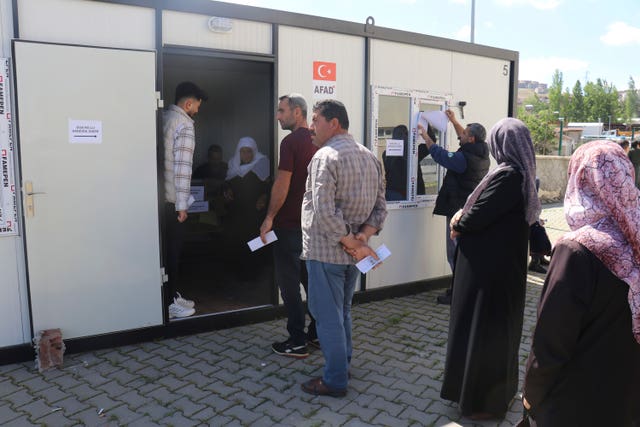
<point>344,204</point>
<point>283,216</point>
<point>179,142</point>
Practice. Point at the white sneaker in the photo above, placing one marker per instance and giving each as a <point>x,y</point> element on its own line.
<point>183,301</point>
<point>177,310</point>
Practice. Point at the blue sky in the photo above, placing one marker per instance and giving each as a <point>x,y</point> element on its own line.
<point>584,39</point>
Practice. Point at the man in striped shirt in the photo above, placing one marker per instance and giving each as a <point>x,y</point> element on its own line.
<point>344,204</point>
<point>179,141</point>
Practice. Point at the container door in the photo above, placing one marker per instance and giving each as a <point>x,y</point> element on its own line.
<point>87,135</point>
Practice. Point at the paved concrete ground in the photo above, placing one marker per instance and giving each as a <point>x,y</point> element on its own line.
<point>231,377</point>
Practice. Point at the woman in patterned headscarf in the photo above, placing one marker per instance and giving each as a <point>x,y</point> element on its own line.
<point>489,281</point>
<point>584,365</point>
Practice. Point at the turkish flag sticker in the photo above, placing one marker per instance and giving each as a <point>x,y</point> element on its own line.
<point>324,71</point>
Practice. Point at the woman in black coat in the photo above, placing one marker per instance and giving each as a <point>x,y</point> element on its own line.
<point>584,365</point>
<point>489,281</point>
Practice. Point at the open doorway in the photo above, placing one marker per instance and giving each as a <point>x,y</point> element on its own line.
<point>217,270</point>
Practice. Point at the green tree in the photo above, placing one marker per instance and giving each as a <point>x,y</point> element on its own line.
<point>535,104</point>
<point>541,127</point>
<point>601,101</point>
<point>575,106</point>
<point>631,102</point>
<point>555,92</point>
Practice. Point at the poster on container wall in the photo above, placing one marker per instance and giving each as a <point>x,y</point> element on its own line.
<point>324,80</point>
<point>8,202</point>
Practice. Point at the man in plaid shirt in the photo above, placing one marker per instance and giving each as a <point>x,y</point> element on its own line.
<point>179,142</point>
<point>344,204</point>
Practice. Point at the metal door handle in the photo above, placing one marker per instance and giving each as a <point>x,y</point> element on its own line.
<point>29,193</point>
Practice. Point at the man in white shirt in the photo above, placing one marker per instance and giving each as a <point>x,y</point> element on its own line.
<point>179,142</point>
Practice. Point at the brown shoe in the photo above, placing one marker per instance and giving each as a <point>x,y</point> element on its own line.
<point>317,387</point>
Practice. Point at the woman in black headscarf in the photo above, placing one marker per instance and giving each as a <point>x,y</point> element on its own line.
<point>489,281</point>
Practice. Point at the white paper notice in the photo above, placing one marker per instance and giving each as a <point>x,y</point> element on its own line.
<point>437,119</point>
<point>199,206</point>
<point>395,148</point>
<point>197,192</point>
<point>369,262</point>
<point>85,131</point>
<point>256,243</point>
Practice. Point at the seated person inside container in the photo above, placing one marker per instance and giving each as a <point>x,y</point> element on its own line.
<point>395,167</point>
<point>246,191</point>
<point>215,167</point>
<point>212,175</point>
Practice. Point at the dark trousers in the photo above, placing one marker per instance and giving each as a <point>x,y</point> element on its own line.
<point>451,246</point>
<point>174,233</point>
<point>290,271</point>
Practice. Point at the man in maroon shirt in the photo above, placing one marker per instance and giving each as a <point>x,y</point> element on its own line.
<point>283,215</point>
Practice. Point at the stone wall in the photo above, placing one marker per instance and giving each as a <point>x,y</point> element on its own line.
<point>552,171</point>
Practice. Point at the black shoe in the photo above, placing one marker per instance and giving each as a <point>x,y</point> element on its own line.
<point>544,261</point>
<point>444,299</point>
<point>289,349</point>
<point>537,268</point>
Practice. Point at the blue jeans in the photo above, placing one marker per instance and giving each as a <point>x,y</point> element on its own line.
<point>290,272</point>
<point>331,288</point>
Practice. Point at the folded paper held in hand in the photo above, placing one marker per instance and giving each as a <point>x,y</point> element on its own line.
<point>369,262</point>
<point>256,243</point>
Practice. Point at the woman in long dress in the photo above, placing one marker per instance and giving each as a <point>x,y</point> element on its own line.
<point>489,281</point>
<point>246,190</point>
<point>584,365</point>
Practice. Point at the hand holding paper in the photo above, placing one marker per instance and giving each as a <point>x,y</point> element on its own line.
<point>370,262</point>
<point>437,119</point>
<point>256,243</point>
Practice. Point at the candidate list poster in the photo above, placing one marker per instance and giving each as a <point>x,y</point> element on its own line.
<point>8,202</point>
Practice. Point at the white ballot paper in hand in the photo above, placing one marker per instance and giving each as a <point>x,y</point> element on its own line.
<point>438,119</point>
<point>256,243</point>
<point>369,262</point>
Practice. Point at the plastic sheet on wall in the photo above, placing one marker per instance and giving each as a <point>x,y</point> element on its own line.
<point>8,202</point>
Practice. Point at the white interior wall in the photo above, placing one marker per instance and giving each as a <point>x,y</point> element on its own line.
<point>90,23</point>
<point>227,115</point>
